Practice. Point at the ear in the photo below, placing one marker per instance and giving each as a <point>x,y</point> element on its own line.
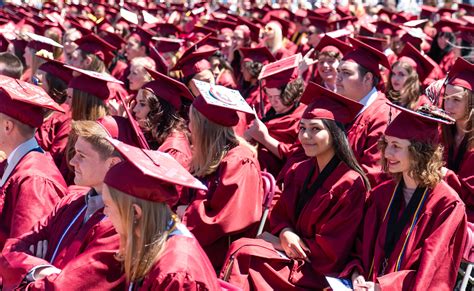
<point>114,161</point>
<point>137,212</point>
<point>369,79</point>
<point>8,125</point>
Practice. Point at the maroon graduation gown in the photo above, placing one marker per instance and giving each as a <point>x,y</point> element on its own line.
<point>462,180</point>
<point>253,99</point>
<point>85,255</point>
<point>235,187</point>
<point>433,250</point>
<point>178,146</point>
<point>327,224</point>
<point>285,130</point>
<point>29,194</point>
<point>53,134</point>
<point>183,265</point>
<point>119,71</point>
<point>447,62</point>
<point>227,79</point>
<point>364,134</point>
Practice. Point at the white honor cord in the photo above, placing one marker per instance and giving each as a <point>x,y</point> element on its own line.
<point>65,232</point>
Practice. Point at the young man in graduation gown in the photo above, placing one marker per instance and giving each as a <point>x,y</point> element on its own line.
<point>31,184</point>
<point>357,79</point>
<point>74,247</point>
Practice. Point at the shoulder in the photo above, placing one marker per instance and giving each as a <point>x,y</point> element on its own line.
<point>240,154</point>
<point>443,195</point>
<point>39,166</point>
<point>345,179</point>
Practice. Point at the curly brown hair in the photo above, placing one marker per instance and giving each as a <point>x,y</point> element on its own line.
<point>426,161</point>
<point>253,68</point>
<point>291,92</point>
<point>409,95</point>
<point>163,118</point>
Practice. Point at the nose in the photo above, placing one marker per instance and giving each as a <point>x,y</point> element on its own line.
<point>72,162</point>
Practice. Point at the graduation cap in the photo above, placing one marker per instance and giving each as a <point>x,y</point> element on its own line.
<point>412,56</point>
<point>365,30</point>
<point>423,125</point>
<point>149,175</point>
<point>95,45</point>
<point>194,62</point>
<point>204,30</point>
<point>221,24</point>
<point>445,25</point>
<point>113,38</point>
<point>341,23</point>
<point>427,11</point>
<point>367,56</point>
<point>374,42</point>
<point>384,11</point>
<point>254,29</point>
<point>322,11</point>
<point>57,69</point>
<point>281,72</point>
<point>326,104</point>
<point>446,12</point>
<point>129,16</point>
<point>319,23</point>
<point>220,104</point>
<point>461,74</point>
<point>257,54</point>
<point>168,89</point>
<point>414,40</point>
<point>39,42</point>
<point>167,29</point>
<point>329,44</point>
<point>419,23</point>
<point>386,28</point>
<point>25,102</point>
<point>92,82</point>
<point>402,17</point>
<point>120,128</point>
<point>468,7</point>
<point>343,10</point>
<point>165,45</point>
<point>142,35</point>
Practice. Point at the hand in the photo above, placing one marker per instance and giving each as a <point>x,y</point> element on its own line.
<point>257,131</point>
<point>41,249</point>
<point>43,272</point>
<point>358,281</point>
<point>181,210</point>
<point>306,62</point>
<point>293,246</point>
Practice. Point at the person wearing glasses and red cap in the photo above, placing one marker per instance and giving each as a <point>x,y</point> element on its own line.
<point>458,101</point>
<point>74,247</point>
<point>358,77</point>
<point>228,166</point>
<point>31,184</point>
<point>314,224</point>
<point>415,225</point>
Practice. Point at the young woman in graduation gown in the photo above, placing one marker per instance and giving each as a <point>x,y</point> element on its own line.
<point>158,112</point>
<point>277,131</point>
<point>415,225</point>
<point>406,77</point>
<point>158,252</point>
<point>459,137</point>
<point>229,167</point>
<point>53,134</point>
<point>314,223</point>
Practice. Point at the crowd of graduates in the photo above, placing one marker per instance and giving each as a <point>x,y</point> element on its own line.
<point>136,138</point>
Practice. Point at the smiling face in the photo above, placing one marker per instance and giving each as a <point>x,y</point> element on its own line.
<point>456,102</point>
<point>315,138</point>
<point>397,155</point>
<point>327,68</point>
<point>399,77</point>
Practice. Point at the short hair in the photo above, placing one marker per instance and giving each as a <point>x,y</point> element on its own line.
<point>10,65</point>
<point>95,134</point>
<point>291,92</point>
<point>363,71</point>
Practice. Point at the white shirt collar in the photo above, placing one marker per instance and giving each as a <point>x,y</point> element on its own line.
<point>368,99</point>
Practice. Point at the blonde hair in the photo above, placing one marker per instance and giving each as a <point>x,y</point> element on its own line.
<point>94,134</point>
<point>85,106</point>
<point>277,42</point>
<point>426,161</point>
<point>211,142</point>
<point>449,131</point>
<point>139,252</point>
<point>144,62</point>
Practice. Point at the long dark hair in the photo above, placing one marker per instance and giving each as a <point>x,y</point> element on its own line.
<point>163,118</point>
<point>436,53</point>
<point>342,148</point>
